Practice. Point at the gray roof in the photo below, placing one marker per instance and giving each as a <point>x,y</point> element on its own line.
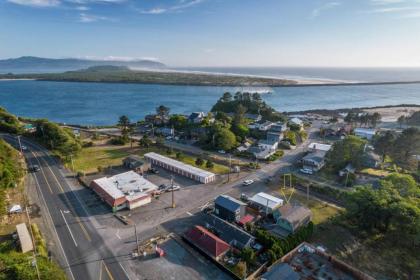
<point>315,156</point>
<point>228,232</point>
<point>281,271</point>
<point>295,214</point>
<point>228,202</point>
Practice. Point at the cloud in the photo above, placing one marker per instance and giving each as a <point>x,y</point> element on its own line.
<point>87,18</point>
<point>36,3</point>
<point>182,4</point>
<point>82,8</point>
<point>317,12</point>
<point>119,58</point>
<point>386,2</point>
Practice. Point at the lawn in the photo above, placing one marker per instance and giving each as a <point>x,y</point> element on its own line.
<point>375,172</point>
<point>91,158</point>
<point>321,211</point>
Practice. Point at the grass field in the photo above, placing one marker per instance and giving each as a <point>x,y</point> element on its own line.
<point>321,211</point>
<point>91,158</point>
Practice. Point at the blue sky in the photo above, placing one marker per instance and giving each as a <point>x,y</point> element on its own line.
<point>216,32</point>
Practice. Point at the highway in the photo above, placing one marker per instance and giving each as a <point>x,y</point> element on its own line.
<point>85,254</point>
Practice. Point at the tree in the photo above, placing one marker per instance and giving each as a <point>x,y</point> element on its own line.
<point>375,118</point>
<point>227,97</point>
<point>179,155</point>
<point>406,147</point>
<point>224,139</point>
<point>383,144</point>
<point>123,122</point>
<point>401,120</point>
<point>162,111</point>
<point>145,142</point>
<point>240,269</point>
<point>248,255</point>
<point>209,164</point>
<point>348,150</point>
<point>178,121</point>
<point>199,161</point>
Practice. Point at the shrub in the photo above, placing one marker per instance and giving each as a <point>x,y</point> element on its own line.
<point>199,161</point>
<point>209,164</point>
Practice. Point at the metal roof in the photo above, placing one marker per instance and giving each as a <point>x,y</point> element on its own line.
<point>124,184</point>
<point>266,200</point>
<point>228,202</point>
<point>280,271</point>
<point>180,165</point>
<point>24,238</point>
<point>319,146</point>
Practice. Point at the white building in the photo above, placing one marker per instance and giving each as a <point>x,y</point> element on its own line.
<point>296,121</point>
<point>181,168</point>
<point>267,203</point>
<point>124,190</point>
<point>366,133</point>
<point>265,126</point>
<point>319,147</point>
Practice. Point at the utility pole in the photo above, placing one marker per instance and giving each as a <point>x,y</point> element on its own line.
<point>20,144</point>
<point>172,188</point>
<point>33,242</point>
<point>72,165</point>
<point>307,193</point>
<point>137,238</point>
<point>230,166</point>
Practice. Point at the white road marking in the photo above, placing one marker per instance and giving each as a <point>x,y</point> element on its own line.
<point>74,240</point>
<point>189,213</point>
<point>117,234</point>
<point>204,206</point>
<point>125,271</point>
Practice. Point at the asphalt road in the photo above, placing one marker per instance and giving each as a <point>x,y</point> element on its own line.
<point>85,254</point>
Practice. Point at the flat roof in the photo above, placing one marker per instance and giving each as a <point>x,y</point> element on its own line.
<point>265,199</point>
<point>319,146</point>
<point>124,184</point>
<point>24,238</point>
<point>365,130</point>
<point>180,165</point>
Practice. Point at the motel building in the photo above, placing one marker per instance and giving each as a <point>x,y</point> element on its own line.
<point>125,190</point>
<point>180,168</point>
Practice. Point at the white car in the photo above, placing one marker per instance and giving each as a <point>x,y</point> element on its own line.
<point>221,152</point>
<point>24,148</point>
<point>247,182</point>
<point>306,171</point>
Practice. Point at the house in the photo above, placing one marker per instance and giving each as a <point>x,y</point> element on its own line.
<point>314,161</point>
<point>196,117</point>
<point>278,127</point>
<point>319,147</point>
<point>274,136</point>
<point>265,202</point>
<point>253,117</point>
<point>367,133</point>
<point>233,235</point>
<point>265,126</point>
<point>290,217</point>
<point>206,242</point>
<point>229,208</point>
<point>244,147</point>
<point>136,163</point>
<point>297,122</point>
<point>261,152</point>
<point>124,190</point>
<point>349,169</point>
<point>280,271</point>
<point>165,131</point>
<point>25,240</point>
<point>156,119</point>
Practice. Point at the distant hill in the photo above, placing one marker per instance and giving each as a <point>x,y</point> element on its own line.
<point>32,64</point>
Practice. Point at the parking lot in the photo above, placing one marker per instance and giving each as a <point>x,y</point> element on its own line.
<point>179,262</point>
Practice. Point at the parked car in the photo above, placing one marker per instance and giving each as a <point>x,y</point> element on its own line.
<point>247,182</point>
<point>244,197</point>
<point>154,171</point>
<point>173,188</point>
<point>34,168</point>
<point>306,171</point>
<point>24,148</point>
<point>221,151</point>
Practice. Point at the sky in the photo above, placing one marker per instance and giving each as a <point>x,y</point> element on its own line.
<point>338,33</point>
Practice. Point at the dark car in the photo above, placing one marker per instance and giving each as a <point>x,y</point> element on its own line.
<point>34,168</point>
<point>154,171</point>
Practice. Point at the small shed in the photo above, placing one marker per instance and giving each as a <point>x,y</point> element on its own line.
<point>265,202</point>
<point>136,163</point>
<point>24,238</point>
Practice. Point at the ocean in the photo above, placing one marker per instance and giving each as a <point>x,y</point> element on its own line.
<point>103,103</point>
